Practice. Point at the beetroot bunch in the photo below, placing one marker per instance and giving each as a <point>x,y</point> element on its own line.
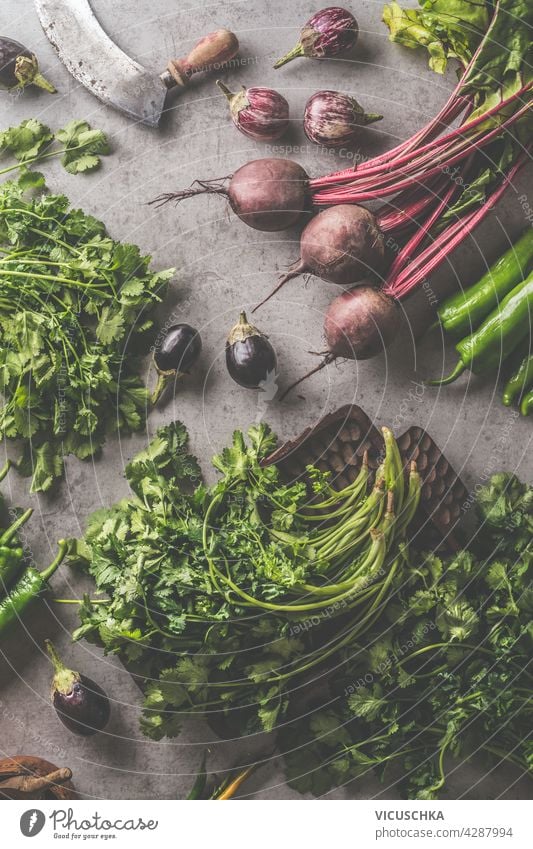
<point>434,188</point>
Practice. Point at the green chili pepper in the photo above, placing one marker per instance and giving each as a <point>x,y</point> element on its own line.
<point>497,337</point>
<point>11,558</point>
<point>27,588</point>
<point>3,473</point>
<point>197,791</point>
<point>463,312</point>
<point>522,376</point>
<point>11,564</point>
<point>526,407</point>
<point>8,535</point>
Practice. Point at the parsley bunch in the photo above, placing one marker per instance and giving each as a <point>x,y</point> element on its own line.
<point>71,298</point>
<point>229,597</point>
<point>445,673</point>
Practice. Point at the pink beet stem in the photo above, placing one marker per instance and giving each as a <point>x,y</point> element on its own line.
<point>408,205</point>
<point>347,195</point>
<point>408,250</point>
<point>452,108</point>
<point>448,240</point>
<point>445,117</point>
<point>428,153</point>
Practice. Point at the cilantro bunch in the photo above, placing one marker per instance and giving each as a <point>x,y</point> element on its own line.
<point>266,607</point>
<point>79,146</point>
<point>446,673</point>
<point>75,307</point>
<point>228,598</point>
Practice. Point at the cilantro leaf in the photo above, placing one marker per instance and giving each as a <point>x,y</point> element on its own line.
<point>82,146</point>
<point>26,141</point>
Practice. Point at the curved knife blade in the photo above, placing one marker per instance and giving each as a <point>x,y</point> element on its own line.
<point>98,63</point>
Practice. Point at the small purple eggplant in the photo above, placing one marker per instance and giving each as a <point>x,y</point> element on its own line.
<point>19,67</point>
<point>250,358</point>
<point>260,113</point>
<point>329,32</point>
<point>175,355</point>
<point>332,119</point>
<point>81,705</point>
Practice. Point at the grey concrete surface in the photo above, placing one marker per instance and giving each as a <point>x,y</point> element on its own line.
<point>222,266</point>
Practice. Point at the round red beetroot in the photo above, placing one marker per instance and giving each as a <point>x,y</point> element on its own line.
<point>267,194</point>
<point>361,323</point>
<point>342,244</point>
<point>260,113</point>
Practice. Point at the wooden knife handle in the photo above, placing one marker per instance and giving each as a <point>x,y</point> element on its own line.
<point>209,54</point>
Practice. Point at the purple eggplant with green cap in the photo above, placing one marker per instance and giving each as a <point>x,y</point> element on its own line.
<point>250,358</point>
<point>175,355</point>
<point>258,112</point>
<point>81,705</point>
<point>329,32</point>
<point>333,119</point>
<point>19,67</point>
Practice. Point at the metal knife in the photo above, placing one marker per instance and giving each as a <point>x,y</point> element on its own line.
<point>94,59</point>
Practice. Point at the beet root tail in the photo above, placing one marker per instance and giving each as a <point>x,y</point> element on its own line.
<point>329,358</point>
<point>294,271</point>
<point>217,186</point>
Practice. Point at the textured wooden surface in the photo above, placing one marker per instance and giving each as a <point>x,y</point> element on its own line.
<point>337,444</point>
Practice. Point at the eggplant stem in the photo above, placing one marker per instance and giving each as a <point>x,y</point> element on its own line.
<point>329,358</point>
<point>225,90</point>
<point>292,54</point>
<point>42,82</point>
<point>58,664</point>
<point>445,381</point>
<point>371,117</point>
<point>163,380</point>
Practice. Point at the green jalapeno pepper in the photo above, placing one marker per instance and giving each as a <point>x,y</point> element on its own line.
<point>497,337</point>
<point>5,470</point>
<point>27,588</point>
<point>463,312</point>
<point>8,534</point>
<point>526,407</point>
<point>522,377</point>
<point>11,557</point>
<point>11,565</point>
<point>3,473</point>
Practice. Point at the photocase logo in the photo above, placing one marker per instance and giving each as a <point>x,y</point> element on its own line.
<point>32,822</point>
